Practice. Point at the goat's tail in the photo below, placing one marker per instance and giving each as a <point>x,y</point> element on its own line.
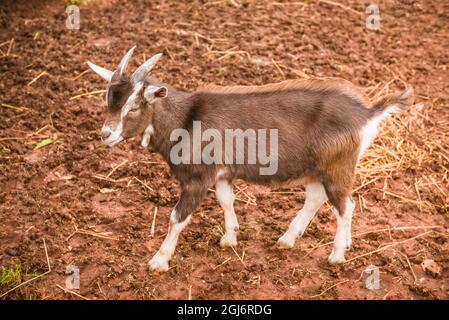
<point>392,103</point>
<point>379,111</point>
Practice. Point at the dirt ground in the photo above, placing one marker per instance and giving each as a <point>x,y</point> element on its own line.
<point>94,206</point>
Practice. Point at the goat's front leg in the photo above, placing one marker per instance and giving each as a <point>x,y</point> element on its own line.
<point>191,196</point>
<point>315,197</point>
<point>225,196</point>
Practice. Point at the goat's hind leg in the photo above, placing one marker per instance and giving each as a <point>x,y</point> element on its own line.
<point>225,196</point>
<point>343,209</point>
<point>349,229</point>
<point>315,197</point>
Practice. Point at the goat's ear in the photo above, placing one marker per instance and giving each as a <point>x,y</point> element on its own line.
<point>142,71</point>
<point>152,93</point>
<point>161,92</point>
<point>102,72</point>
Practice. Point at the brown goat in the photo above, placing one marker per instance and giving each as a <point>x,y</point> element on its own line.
<point>318,131</point>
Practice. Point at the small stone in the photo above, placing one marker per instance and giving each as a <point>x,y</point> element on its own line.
<point>431,268</point>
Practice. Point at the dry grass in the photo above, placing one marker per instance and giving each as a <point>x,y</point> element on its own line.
<point>398,150</point>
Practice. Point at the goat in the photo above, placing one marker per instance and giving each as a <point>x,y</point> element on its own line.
<point>323,127</point>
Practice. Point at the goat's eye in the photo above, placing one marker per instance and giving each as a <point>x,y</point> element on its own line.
<point>134,110</point>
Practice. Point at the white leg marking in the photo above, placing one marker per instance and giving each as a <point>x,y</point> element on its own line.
<point>343,233</point>
<point>349,231</point>
<point>225,196</point>
<point>315,197</point>
<point>159,262</point>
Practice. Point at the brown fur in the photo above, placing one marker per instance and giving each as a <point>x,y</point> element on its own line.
<point>329,84</point>
<point>320,128</point>
<point>318,123</point>
<point>401,100</point>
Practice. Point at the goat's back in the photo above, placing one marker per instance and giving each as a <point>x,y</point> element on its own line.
<point>318,122</point>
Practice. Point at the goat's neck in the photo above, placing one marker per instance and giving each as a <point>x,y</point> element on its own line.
<point>169,114</point>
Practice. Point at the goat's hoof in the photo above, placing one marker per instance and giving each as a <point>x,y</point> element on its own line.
<point>336,259</point>
<point>286,242</point>
<point>228,240</point>
<point>158,264</point>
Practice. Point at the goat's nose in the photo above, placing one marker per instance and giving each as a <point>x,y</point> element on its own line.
<point>105,134</point>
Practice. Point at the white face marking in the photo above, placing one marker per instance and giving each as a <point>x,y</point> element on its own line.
<point>147,136</point>
<point>315,197</point>
<point>116,135</point>
<point>132,100</point>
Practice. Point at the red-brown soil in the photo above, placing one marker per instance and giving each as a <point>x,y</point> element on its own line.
<point>49,192</point>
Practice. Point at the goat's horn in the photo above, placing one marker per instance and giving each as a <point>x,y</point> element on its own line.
<point>142,71</point>
<point>124,63</point>
<point>102,72</point>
